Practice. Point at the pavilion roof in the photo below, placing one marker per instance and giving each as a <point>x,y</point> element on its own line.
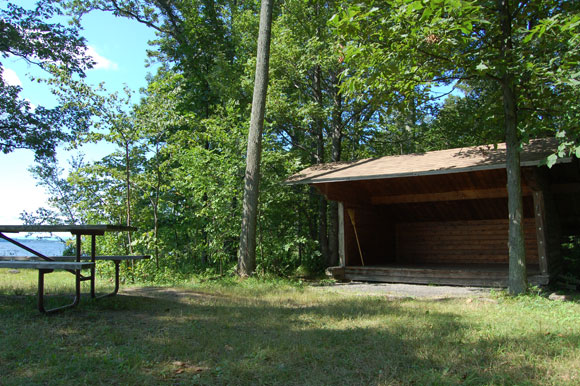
<point>429,163</point>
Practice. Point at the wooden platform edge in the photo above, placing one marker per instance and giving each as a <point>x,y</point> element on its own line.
<point>454,277</point>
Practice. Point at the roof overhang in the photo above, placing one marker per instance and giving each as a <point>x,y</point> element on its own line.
<point>460,160</point>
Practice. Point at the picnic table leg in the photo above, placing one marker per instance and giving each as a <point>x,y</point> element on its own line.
<point>41,273</point>
<point>41,308</point>
<point>78,248</point>
<point>93,269</point>
<point>93,275</point>
<point>117,263</point>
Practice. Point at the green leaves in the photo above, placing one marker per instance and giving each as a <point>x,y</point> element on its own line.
<point>551,160</point>
<point>481,67</point>
<point>409,43</point>
<point>413,7</point>
<point>29,35</point>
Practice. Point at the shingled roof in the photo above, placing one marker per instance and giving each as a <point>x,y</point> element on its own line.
<point>434,162</point>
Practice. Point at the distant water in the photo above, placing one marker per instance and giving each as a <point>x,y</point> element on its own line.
<point>44,246</point>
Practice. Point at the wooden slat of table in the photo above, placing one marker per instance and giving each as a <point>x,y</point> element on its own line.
<point>80,229</point>
<point>73,258</point>
<point>46,265</point>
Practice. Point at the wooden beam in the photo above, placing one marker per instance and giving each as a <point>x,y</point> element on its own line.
<point>345,193</point>
<point>456,195</point>
<point>546,215</point>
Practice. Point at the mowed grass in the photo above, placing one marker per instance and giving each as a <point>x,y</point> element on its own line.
<point>274,332</point>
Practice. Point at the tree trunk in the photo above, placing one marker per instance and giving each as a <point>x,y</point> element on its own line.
<point>247,251</point>
<point>336,155</point>
<point>313,197</point>
<point>156,206</point>
<point>319,127</point>
<point>205,252</point>
<point>517,281</point>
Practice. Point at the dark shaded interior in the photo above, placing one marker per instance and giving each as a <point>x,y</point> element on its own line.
<point>462,232</point>
<point>451,218</point>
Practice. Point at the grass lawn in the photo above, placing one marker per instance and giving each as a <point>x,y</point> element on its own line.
<point>275,332</point>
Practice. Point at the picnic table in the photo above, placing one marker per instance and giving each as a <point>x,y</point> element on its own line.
<point>73,264</point>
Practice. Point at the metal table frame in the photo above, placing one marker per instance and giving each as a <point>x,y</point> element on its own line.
<point>78,231</point>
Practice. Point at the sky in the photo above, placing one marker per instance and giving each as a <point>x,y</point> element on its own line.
<point>118,47</point>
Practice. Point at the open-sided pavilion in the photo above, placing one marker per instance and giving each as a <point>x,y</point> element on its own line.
<point>441,217</point>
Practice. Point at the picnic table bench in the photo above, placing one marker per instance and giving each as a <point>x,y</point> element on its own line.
<point>73,264</point>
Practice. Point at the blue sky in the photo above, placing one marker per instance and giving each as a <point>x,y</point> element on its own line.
<point>119,47</point>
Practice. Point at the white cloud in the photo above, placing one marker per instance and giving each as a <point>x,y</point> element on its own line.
<point>101,63</point>
<point>11,78</point>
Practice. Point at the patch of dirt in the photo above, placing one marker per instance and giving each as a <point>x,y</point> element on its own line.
<point>166,292</point>
<point>406,290</point>
<point>395,291</point>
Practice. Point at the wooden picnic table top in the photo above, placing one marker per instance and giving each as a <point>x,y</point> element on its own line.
<point>73,228</point>
<point>36,264</point>
<point>73,258</point>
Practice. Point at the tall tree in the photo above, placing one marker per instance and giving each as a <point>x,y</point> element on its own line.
<point>200,42</point>
<point>403,44</point>
<point>64,197</point>
<point>308,111</point>
<point>187,150</point>
<point>247,251</point>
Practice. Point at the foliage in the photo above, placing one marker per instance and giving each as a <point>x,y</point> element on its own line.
<point>64,198</point>
<point>180,151</point>
<point>29,35</point>
<point>469,119</point>
<point>407,43</point>
<point>571,257</point>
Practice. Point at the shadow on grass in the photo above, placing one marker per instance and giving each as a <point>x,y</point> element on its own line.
<point>168,336</point>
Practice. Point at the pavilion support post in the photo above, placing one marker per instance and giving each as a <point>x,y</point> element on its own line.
<point>540,215</point>
<point>93,268</point>
<point>341,242</point>
<point>547,221</point>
